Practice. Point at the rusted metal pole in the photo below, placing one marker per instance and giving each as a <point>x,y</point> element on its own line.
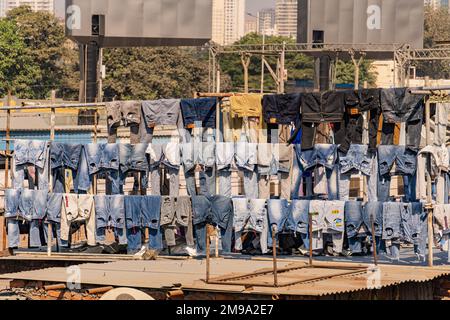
<point>310,231</point>
<point>374,242</point>
<point>8,138</point>
<point>245,60</point>
<point>52,138</point>
<point>429,189</point>
<point>274,251</point>
<point>208,254</point>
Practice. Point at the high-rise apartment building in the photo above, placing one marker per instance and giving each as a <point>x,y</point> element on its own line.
<point>286,16</point>
<point>35,5</point>
<point>2,8</point>
<point>437,3</point>
<point>266,22</point>
<point>251,24</point>
<point>228,21</point>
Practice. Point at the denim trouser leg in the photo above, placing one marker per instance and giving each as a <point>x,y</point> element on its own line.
<point>134,239</point>
<point>344,186</point>
<point>189,176</point>
<point>208,182</point>
<point>43,173</point>
<point>285,185</point>
<point>113,182</point>
<point>18,175</point>
<point>263,187</point>
<point>155,180</point>
<point>56,232</point>
<point>384,188</point>
<point>226,236</point>
<point>372,181</point>
<point>200,236</point>
<point>332,177</point>
<point>410,188</point>
<point>251,184</point>
<point>224,177</point>
<point>121,235</point>
<point>155,239</point>
<point>174,181</point>
<point>58,180</point>
<point>296,186</point>
<point>35,234</point>
<point>13,233</point>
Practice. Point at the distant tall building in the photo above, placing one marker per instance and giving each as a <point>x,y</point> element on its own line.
<point>437,3</point>
<point>2,8</point>
<point>286,16</point>
<point>228,21</point>
<point>35,5</point>
<point>251,24</point>
<point>266,22</point>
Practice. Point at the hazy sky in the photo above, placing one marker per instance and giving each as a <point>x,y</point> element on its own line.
<point>252,6</point>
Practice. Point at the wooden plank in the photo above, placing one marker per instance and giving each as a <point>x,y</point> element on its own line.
<point>3,240</point>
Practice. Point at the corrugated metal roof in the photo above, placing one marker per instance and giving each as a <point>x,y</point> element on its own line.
<point>189,274</point>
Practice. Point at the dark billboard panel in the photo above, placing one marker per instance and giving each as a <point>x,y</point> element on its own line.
<point>374,22</point>
<point>124,23</point>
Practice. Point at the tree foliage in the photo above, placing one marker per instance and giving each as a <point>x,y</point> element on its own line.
<point>16,69</point>
<point>50,53</point>
<point>437,28</point>
<point>150,73</point>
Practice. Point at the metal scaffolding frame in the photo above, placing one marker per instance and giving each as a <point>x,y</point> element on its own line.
<point>402,54</point>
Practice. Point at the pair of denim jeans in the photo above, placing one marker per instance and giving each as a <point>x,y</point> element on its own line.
<point>201,110</point>
<point>246,160</point>
<point>29,154</point>
<point>142,212</point>
<point>110,213</point>
<point>212,210</point>
<point>133,158</point>
<point>64,156</point>
<point>29,205</point>
<point>358,160</point>
<point>225,153</point>
<point>102,158</point>
<point>250,215</point>
<point>176,213</point>
<point>406,166</point>
<point>400,105</point>
<point>323,158</point>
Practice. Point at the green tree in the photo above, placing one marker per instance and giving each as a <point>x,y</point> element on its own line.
<point>436,29</point>
<point>50,52</point>
<point>151,73</point>
<point>16,68</point>
<point>345,73</point>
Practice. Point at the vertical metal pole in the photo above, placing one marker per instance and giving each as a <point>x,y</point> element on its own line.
<point>245,59</point>
<point>52,138</point>
<point>8,142</point>
<point>219,134</point>
<point>208,254</point>
<point>263,68</point>
<point>274,251</point>
<point>100,76</point>
<point>282,67</point>
<point>310,231</point>
<point>429,190</point>
<point>374,242</point>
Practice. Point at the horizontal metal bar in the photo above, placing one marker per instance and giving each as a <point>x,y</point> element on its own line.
<point>57,106</point>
